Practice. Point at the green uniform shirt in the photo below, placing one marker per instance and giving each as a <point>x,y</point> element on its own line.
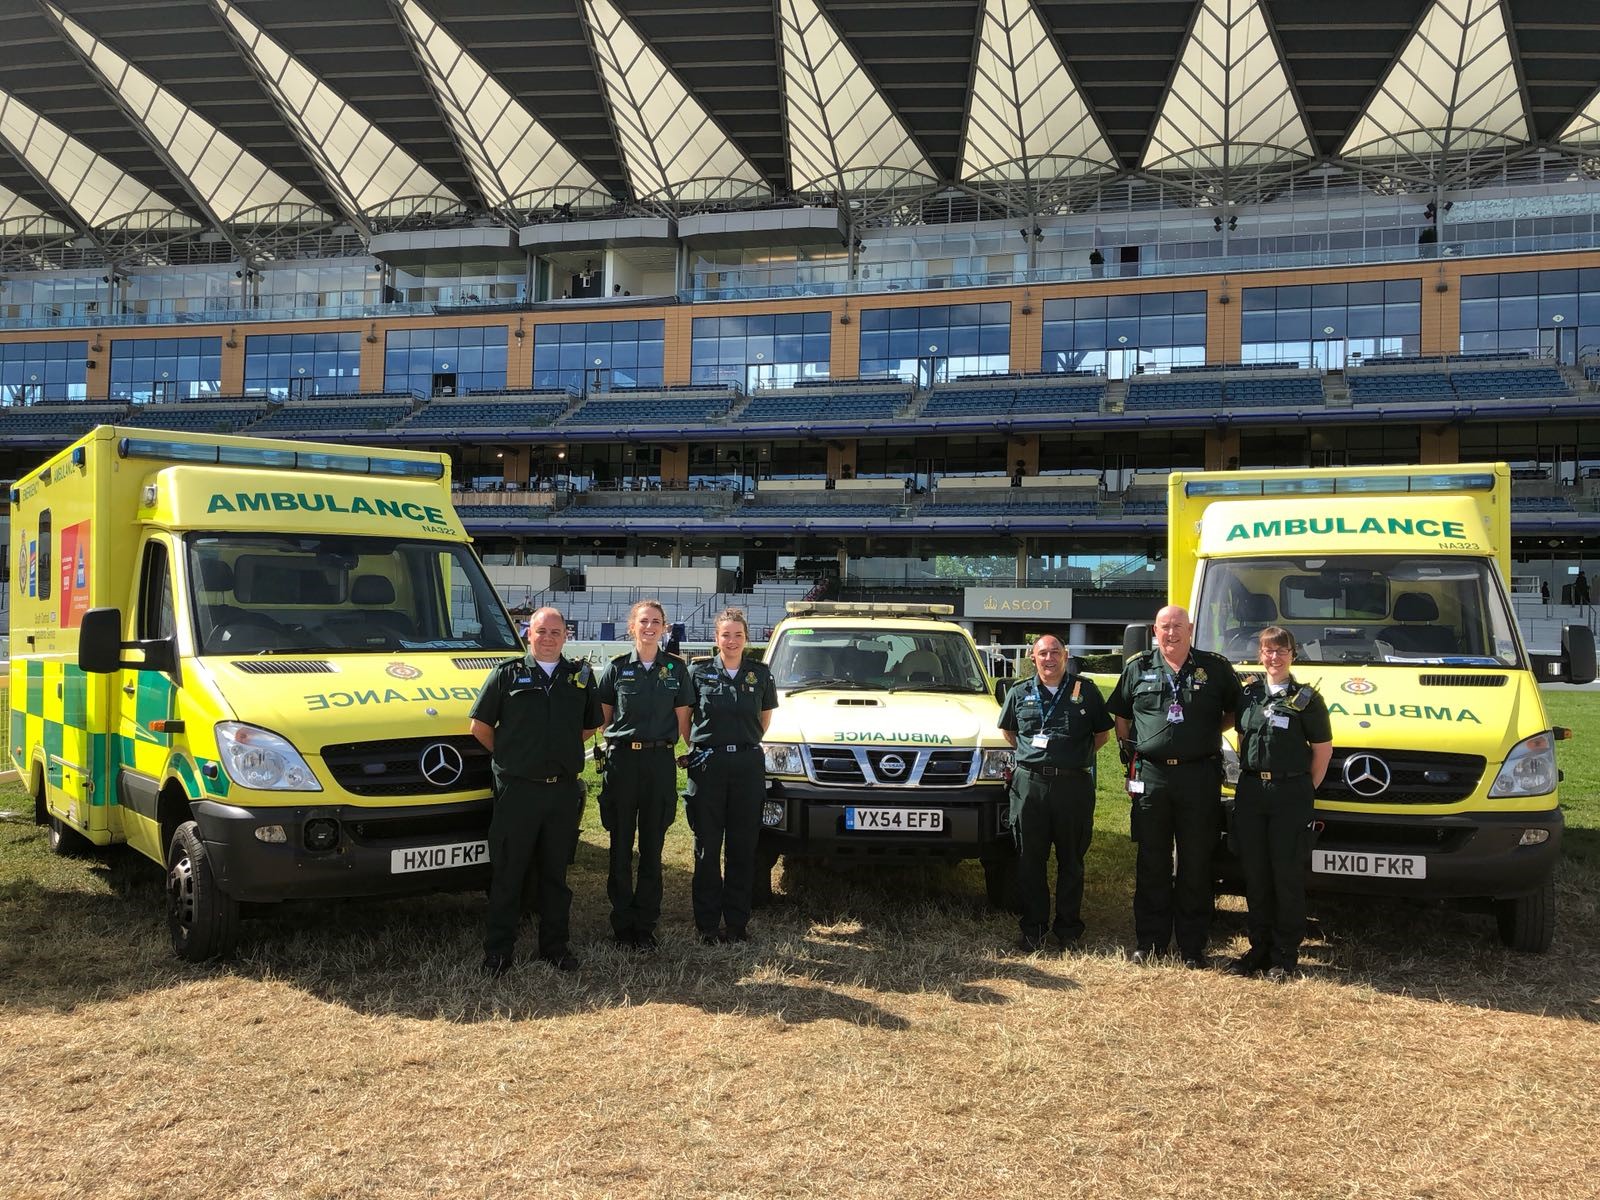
<point>727,712</point>
<point>538,720</point>
<point>1206,689</point>
<point>1276,733</point>
<point>645,703</point>
<point>1069,721</point>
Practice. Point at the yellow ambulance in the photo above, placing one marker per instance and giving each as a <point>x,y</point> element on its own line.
<point>1394,582</point>
<point>885,746</point>
<point>252,661</point>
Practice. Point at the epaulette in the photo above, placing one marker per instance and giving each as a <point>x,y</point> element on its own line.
<point>622,658</point>
<point>704,658</point>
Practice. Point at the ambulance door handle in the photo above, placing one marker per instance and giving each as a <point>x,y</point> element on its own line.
<point>128,689</point>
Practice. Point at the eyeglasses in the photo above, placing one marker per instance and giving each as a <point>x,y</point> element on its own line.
<point>1276,652</point>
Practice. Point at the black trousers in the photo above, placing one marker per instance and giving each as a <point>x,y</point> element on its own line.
<point>638,799</point>
<point>1272,835</point>
<point>1180,808</point>
<point>532,837</point>
<point>1051,811</point>
<point>723,805</point>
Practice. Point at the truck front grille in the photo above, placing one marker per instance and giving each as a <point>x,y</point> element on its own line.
<point>1414,776</point>
<point>410,766</point>
<point>889,767</point>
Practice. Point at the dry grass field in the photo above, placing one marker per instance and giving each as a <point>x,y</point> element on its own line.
<point>876,1039</point>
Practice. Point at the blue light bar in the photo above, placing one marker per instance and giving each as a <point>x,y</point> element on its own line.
<point>276,459</point>
<point>1348,485</point>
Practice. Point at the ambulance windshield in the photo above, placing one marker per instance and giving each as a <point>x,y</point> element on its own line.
<point>1360,609</point>
<point>297,593</point>
<point>874,658</point>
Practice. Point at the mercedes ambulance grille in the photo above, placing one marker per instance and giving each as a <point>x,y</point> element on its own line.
<point>1415,776</point>
<point>901,766</point>
<point>284,666</point>
<point>401,766</point>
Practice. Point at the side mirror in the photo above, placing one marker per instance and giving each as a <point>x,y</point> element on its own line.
<point>1002,687</point>
<point>1135,640</point>
<point>1577,654</point>
<point>100,646</point>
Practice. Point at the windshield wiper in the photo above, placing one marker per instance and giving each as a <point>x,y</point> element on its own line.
<point>812,685</point>
<point>951,688</point>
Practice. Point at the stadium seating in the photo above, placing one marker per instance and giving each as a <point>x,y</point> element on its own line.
<point>1380,387</point>
<point>309,415</point>
<point>1023,508</point>
<point>65,421</point>
<point>1512,384</point>
<point>813,404</point>
<point>1551,504</point>
<point>195,417</point>
<point>1033,399</point>
<point>819,509</point>
<point>613,411</point>
<point>1284,391</point>
<point>1463,383</point>
<point>1146,394</point>
<point>488,414</point>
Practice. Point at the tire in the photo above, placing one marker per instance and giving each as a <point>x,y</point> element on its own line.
<point>202,919</point>
<point>1000,882</point>
<point>1528,923</point>
<point>761,888</point>
<point>65,841</point>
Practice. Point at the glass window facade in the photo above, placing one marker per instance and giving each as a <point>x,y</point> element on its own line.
<point>1545,311</point>
<point>281,365</point>
<point>943,341</point>
<point>32,371</point>
<point>156,370</point>
<point>1123,335</point>
<point>599,355</point>
<point>770,350</point>
<point>1327,325</point>
<point>445,362</point>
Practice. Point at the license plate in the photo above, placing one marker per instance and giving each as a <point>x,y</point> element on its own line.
<point>895,820</point>
<point>1365,862</point>
<point>438,858</point>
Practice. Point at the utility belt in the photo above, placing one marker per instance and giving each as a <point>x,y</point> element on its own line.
<point>1273,776</point>
<point>619,744</point>
<point>1176,762</point>
<point>710,749</point>
<point>1051,772</point>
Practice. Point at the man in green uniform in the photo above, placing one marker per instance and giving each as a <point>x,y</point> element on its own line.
<point>1171,706</point>
<point>645,699</point>
<point>1285,743</point>
<point>534,715</point>
<point>1056,722</point>
<point>734,698</point>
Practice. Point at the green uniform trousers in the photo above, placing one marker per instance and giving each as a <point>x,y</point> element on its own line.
<point>532,837</point>
<point>1180,808</point>
<point>1272,835</point>
<point>723,806</point>
<point>1051,811</point>
<point>639,799</point>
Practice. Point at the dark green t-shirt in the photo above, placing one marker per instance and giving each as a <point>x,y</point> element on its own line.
<point>645,701</point>
<point>1069,720</point>
<point>1276,733</point>
<point>538,720</point>
<point>727,711</point>
<point>1206,689</point>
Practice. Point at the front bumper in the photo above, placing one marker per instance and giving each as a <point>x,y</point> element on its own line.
<point>358,864</point>
<point>975,822</point>
<point>1468,856</point>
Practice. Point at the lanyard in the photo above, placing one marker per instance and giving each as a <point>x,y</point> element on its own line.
<point>1044,712</point>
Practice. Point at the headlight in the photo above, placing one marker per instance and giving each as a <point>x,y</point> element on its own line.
<point>781,759</point>
<point>995,764</point>
<point>1530,769</point>
<point>261,759</point>
<point>1230,765</point>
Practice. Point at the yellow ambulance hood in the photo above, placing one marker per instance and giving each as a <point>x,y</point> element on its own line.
<point>906,718</point>
<point>313,699</point>
<point>1481,710</point>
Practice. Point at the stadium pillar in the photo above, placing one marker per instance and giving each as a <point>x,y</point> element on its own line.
<point>1022,562</point>
<point>1222,449</point>
<point>841,460</point>
<point>514,466</point>
<point>1222,328</point>
<point>232,381</point>
<point>675,466</point>
<point>675,368</point>
<point>1022,455</point>
<point>372,358</point>
<point>1440,444</point>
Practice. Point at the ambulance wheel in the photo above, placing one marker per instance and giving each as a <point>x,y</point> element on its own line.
<point>202,918</point>
<point>1528,923</point>
<point>66,841</point>
<point>1000,882</point>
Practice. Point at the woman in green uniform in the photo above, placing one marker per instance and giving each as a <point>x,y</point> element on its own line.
<point>733,703</point>
<point>645,698</point>
<point>1285,742</point>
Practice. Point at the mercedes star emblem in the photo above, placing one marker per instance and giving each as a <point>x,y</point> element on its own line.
<point>1366,775</point>
<point>442,764</point>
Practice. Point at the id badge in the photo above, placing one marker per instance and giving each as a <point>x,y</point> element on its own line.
<point>1174,713</point>
<point>1279,721</point>
<point>1041,741</point>
<point>1135,787</point>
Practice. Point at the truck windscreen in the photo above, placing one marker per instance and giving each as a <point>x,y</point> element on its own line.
<point>1359,609</point>
<point>876,660</point>
<point>298,593</point>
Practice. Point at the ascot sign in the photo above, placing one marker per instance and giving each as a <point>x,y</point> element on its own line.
<point>1017,602</point>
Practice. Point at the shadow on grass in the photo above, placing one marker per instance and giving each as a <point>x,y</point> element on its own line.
<point>835,946</point>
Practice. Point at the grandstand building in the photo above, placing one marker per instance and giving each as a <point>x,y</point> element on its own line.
<point>915,298</point>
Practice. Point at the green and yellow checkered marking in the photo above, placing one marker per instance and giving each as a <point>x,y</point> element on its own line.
<point>53,718</point>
